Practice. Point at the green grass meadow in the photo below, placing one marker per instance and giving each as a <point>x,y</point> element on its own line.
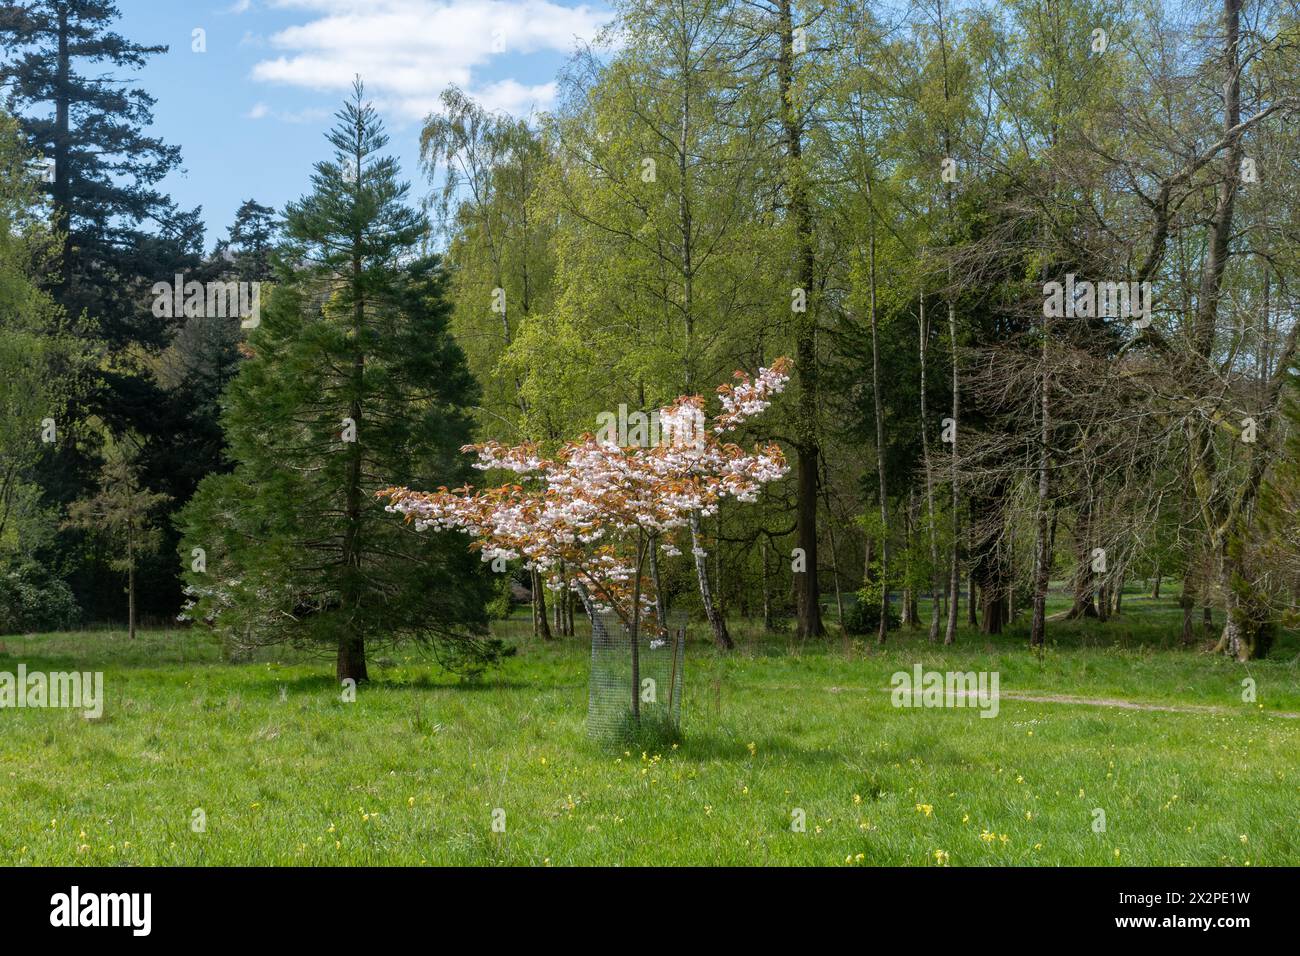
<point>285,772</point>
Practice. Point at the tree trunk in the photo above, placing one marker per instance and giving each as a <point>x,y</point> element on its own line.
<point>62,172</point>
<point>909,592</point>
<point>636,631</point>
<point>990,568</point>
<point>1085,579</point>
<point>717,625</point>
<point>130,584</point>
<point>954,565</point>
<point>541,627</point>
<point>719,591</point>
<point>557,613</point>
<point>1042,546</point>
<point>971,617</point>
<point>883,628</point>
<point>807,446</point>
<point>994,612</point>
<point>588,608</point>
<point>351,661</point>
<point>767,589</point>
<point>661,606</point>
<point>835,571</point>
<point>1248,627</point>
<point>929,480</point>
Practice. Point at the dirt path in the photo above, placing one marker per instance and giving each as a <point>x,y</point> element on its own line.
<point>1114,703</point>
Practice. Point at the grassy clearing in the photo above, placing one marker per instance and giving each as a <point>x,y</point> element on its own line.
<point>411,773</point>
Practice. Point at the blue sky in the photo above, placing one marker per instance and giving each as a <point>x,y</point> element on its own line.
<point>249,113</point>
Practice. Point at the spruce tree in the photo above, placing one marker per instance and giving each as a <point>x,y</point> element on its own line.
<point>204,356</point>
<point>252,238</point>
<point>89,125</point>
<point>353,383</point>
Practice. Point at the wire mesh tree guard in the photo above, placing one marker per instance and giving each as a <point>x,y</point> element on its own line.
<point>612,713</point>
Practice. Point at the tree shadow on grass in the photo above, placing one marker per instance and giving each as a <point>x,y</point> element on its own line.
<point>318,683</point>
<point>44,662</point>
<point>701,746</point>
<point>429,682</point>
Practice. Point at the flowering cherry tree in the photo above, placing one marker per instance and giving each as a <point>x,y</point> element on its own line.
<point>588,516</point>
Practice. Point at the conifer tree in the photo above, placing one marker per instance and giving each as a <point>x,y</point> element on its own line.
<point>353,384</point>
<point>89,127</point>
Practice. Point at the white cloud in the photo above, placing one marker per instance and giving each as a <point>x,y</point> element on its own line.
<point>506,96</point>
<point>310,115</point>
<point>407,51</point>
<point>509,96</point>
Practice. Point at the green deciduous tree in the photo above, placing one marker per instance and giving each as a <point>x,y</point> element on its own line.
<point>123,511</point>
<point>41,365</point>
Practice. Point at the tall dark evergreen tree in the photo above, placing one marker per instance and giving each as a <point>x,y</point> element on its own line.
<point>204,355</point>
<point>91,127</point>
<point>64,68</point>
<point>252,238</point>
<point>353,384</point>
<point>194,371</point>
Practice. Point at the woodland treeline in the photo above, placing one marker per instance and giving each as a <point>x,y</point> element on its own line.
<point>883,192</point>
